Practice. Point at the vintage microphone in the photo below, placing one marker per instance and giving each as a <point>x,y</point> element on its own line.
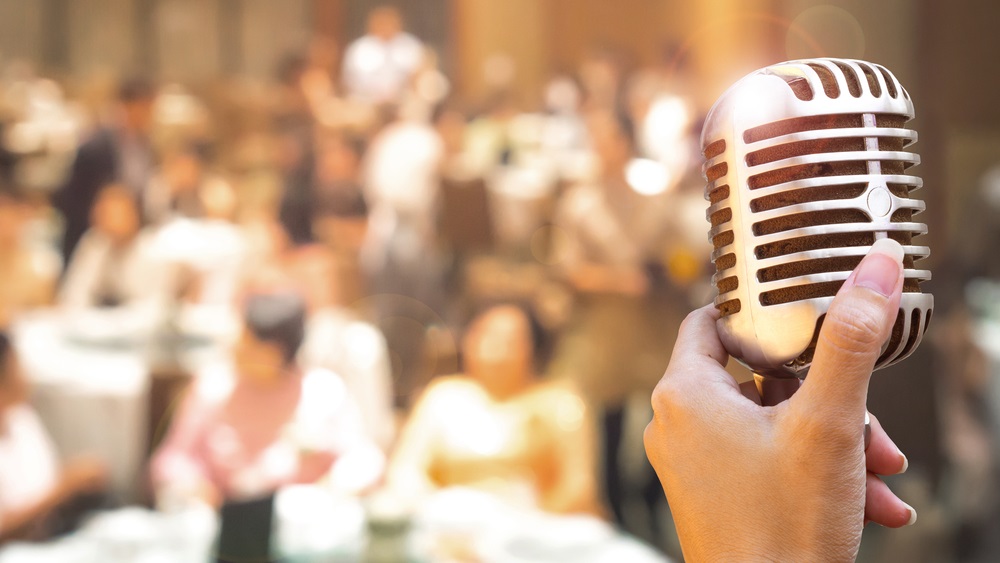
<point>806,163</point>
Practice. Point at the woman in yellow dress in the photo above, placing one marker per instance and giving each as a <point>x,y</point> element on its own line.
<point>498,428</point>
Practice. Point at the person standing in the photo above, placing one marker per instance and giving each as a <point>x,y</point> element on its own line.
<point>378,66</point>
<point>117,153</point>
<point>608,254</point>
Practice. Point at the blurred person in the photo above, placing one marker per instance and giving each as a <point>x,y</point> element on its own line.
<point>178,188</point>
<point>608,252</point>
<point>328,203</point>
<point>564,136</point>
<point>401,255</point>
<point>247,429</point>
<point>292,103</point>
<point>115,264</point>
<point>119,152</point>
<point>338,188</point>
<point>28,279</point>
<point>338,340</point>
<point>318,80</point>
<point>498,428</point>
<point>33,486</point>
<point>208,253</point>
<point>602,73</point>
<point>294,130</point>
<point>338,214</point>
<point>378,66</point>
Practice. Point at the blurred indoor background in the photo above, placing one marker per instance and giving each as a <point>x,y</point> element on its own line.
<point>392,281</point>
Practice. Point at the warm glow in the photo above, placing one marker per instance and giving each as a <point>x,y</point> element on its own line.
<point>647,177</point>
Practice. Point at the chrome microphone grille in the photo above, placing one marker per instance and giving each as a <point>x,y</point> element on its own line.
<point>807,165</point>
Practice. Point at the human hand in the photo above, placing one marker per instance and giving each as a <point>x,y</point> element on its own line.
<point>789,482</point>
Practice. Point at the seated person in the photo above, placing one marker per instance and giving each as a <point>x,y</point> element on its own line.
<point>340,213</point>
<point>114,264</point>
<point>28,278</point>
<point>263,423</point>
<point>338,340</point>
<point>182,186</point>
<point>32,486</point>
<point>498,428</point>
<point>207,252</point>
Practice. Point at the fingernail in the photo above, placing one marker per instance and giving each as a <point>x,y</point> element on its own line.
<point>879,271</point>
<point>913,516</point>
<point>906,463</point>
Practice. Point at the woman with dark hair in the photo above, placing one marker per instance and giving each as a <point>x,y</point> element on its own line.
<point>262,423</point>
<point>498,428</point>
<point>32,487</point>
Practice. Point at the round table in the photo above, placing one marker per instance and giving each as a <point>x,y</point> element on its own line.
<point>90,374</point>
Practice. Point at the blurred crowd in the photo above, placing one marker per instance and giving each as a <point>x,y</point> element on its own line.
<point>410,291</point>
<point>408,288</point>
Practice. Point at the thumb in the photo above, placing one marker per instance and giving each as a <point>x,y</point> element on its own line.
<point>857,325</point>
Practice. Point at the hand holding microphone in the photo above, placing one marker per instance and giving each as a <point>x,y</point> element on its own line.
<point>812,226</point>
<point>791,482</point>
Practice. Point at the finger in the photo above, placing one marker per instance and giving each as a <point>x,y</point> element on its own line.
<point>883,456</point>
<point>698,337</point>
<point>883,507</point>
<point>697,364</point>
<point>857,324</point>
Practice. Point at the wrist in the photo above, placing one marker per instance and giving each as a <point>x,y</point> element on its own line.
<point>766,539</point>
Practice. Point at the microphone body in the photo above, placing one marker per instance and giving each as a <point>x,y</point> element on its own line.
<point>807,166</point>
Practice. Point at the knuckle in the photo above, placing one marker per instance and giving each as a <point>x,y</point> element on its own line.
<point>668,401</point>
<point>689,319</point>
<point>649,438</point>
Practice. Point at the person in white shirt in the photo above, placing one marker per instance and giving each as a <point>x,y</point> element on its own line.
<point>336,339</point>
<point>114,264</point>
<point>32,485</point>
<point>379,65</point>
<point>401,254</point>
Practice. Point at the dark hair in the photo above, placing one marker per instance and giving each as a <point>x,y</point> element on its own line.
<point>277,318</point>
<point>136,89</point>
<point>5,351</point>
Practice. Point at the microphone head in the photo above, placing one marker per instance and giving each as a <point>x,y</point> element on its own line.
<point>807,166</point>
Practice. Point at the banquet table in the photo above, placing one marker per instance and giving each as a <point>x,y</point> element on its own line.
<point>313,525</point>
<point>90,373</point>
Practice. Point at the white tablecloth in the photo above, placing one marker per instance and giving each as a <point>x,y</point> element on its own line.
<point>90,376</point>
<point>313,526</point>
<point>92,399</point>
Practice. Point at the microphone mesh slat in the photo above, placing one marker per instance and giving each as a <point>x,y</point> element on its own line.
<point>807,195</point>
